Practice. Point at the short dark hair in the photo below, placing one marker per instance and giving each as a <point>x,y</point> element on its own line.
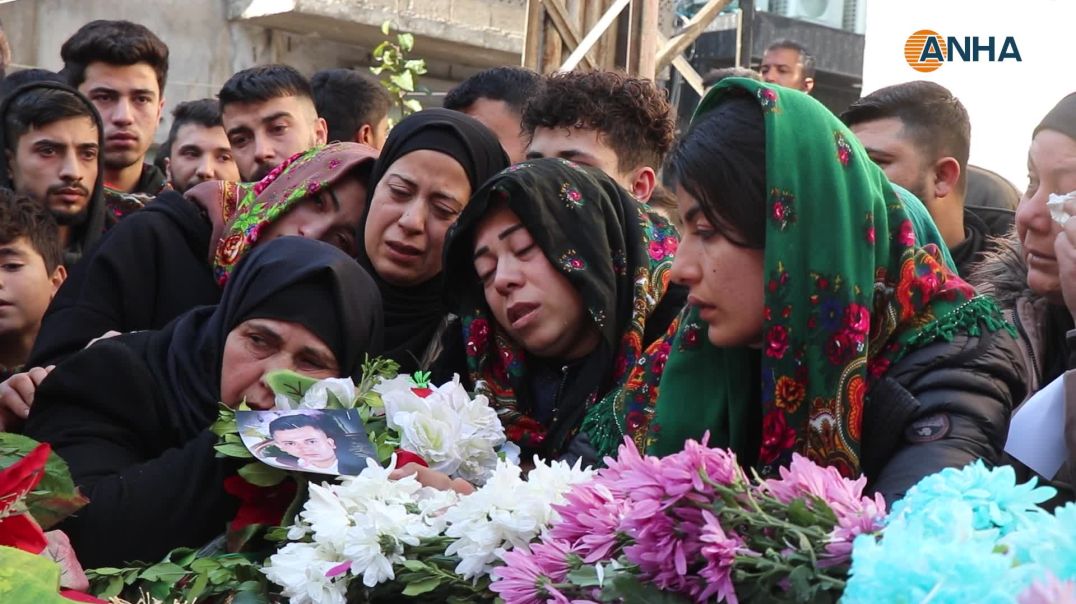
<point>513,85</point>
<point>263,82</point>
<point>716,75</point>
<point>21,216</point>
<point>115,43</point>
<point>934,120</point>
<point>347,100</point>
<point>632,114</point>
<point>299,420</point>
<point>40,106</point>
<point>806,58</point>
<point>721,162</point>
<point>27,76</point>
<point>204,112</point>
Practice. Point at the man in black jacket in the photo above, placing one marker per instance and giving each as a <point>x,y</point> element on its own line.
<point>920,135</point>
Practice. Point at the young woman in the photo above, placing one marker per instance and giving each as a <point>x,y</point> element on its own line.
<point>430,164</point>
<point>561,280</point>
<point>1033,273</point>
<point>140,447</point>
<point>867,353</point>
<point>175,255</point>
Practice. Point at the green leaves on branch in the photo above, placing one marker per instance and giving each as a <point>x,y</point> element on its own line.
<point>399,74</point>
<point>182,576</point>
<point>55,497</point>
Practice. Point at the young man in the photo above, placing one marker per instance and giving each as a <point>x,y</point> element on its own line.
<point>920,135</point>
<point>620,125</point>
<point>122,67</point>
<point>31,270</point>
<point>198,148</point>
<point>309,446</point>
<point>269,115</point>
<point>355,107</point>
<point>787,62</point>
<point>496,98</point>
<point>53,141</point>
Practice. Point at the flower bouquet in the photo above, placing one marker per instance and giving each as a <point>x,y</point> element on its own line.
<point>694,527</point>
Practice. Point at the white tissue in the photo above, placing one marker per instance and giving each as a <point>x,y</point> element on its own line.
<point>1056,205</point>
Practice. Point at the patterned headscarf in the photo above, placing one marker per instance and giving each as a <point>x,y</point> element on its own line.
<point>246,208</point>
<point>849,290</point>
<point>616,253</point>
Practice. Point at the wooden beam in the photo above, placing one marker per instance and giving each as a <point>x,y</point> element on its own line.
<point>646,68</point>
<point>594,35</point>
<point>568,33</point>
<point>532,31</point>
<point>682,65</point>
<point>689,33</point>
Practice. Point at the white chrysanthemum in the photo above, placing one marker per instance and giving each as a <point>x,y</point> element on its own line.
<point>377,541</point>
<point>326,516</point>
<point>300,569</point>
<point>400,382</point>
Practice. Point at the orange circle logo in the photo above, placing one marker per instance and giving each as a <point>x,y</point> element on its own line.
<point>913,50</point>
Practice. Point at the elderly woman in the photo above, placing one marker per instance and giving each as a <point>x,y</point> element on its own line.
<point>1033,273</point>
<point>865,351</point>
<point>140,447</point>
<point>176,254</point>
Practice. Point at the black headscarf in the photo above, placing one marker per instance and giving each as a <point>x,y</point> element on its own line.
<point>186,355</point>
<point>86,234</point>
<point>413,313</point>
<point>1061,118</point>
<point>614,251</point>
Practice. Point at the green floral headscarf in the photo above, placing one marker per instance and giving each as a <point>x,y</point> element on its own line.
<point>855,277</point>
<point>246,208</point>
<point>616,253</point>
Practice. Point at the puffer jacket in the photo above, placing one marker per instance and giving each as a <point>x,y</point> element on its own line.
<point>1003,274</point>
<point>942,405</point>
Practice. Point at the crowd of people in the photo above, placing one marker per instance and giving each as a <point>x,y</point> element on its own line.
<point>782,278</point>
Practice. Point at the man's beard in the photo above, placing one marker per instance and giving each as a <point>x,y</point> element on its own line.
<point>261,172</point>
<point>67,219</point>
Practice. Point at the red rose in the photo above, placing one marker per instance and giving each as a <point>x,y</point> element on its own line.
<point>777,341</point>
<point>776,436</point>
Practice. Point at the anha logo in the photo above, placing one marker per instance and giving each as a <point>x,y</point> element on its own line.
<point>926,50</point>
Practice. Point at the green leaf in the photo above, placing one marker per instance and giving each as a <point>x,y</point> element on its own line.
<point>115,586</point>
<point>415,565</point>
<point>204,565</point>
<point>182,556</point>
<point>261,475</point>
<point>386,27</point>
<point>413,105</point>
<point>233,450</point>
<point>55,497</point>
<point>586,576</point>
<point>406,41</point>
<point>799,513</point>
<point>104,571</point>
<point>421,587</point>
<point>26,578</point>
<point>165,571</point>
<point>404,80</point>
<point>250,597</point>
<point>631,591</point>
<point>289,383</point>
<point>199,585</point>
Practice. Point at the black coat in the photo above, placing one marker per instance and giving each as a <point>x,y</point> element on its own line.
<point>943,405</point>
<point>148,269</point>
<point>154,483</point>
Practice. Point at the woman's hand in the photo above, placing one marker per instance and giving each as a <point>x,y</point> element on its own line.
<point>17,395</point>
<point>432,478</point>
<point>1065,250</point>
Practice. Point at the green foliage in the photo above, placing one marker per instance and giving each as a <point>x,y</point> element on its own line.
<point>28,579</point>
<point>398,73</point>
<point>182,575</point>
<point>55,497</point>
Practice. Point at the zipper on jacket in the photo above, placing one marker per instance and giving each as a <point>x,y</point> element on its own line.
<point>556,397</point>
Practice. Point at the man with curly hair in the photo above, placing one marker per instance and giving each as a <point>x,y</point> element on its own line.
<point>618,124</point>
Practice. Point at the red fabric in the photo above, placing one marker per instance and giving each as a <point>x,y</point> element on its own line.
<point>405,457</point>
<point>259,505</point>
<point>78,596</point>
<point>21,532</point>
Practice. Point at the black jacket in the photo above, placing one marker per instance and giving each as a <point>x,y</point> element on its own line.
<point>147,270</point>
<point>153,485</point>
<point>980,226</point>
<point>943,405</point>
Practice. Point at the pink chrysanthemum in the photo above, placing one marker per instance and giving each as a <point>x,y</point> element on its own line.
<point>1049,591</point>
<point>719,551</point>
<point>666,545</point>
<point>523,580</point>
<point>672,478</point>
<point>590,520</point>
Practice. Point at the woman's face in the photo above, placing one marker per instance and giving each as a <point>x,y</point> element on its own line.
<point>257,347</point>
<point>1051,166</point>
<point>332,216</point>
<point>724,280</point>
<point>530,299</point>
<point>416,201</point>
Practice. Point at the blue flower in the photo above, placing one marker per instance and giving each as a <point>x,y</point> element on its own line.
<point>938,557</point>
<point>995,498</point>
<point>1050,543</point>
